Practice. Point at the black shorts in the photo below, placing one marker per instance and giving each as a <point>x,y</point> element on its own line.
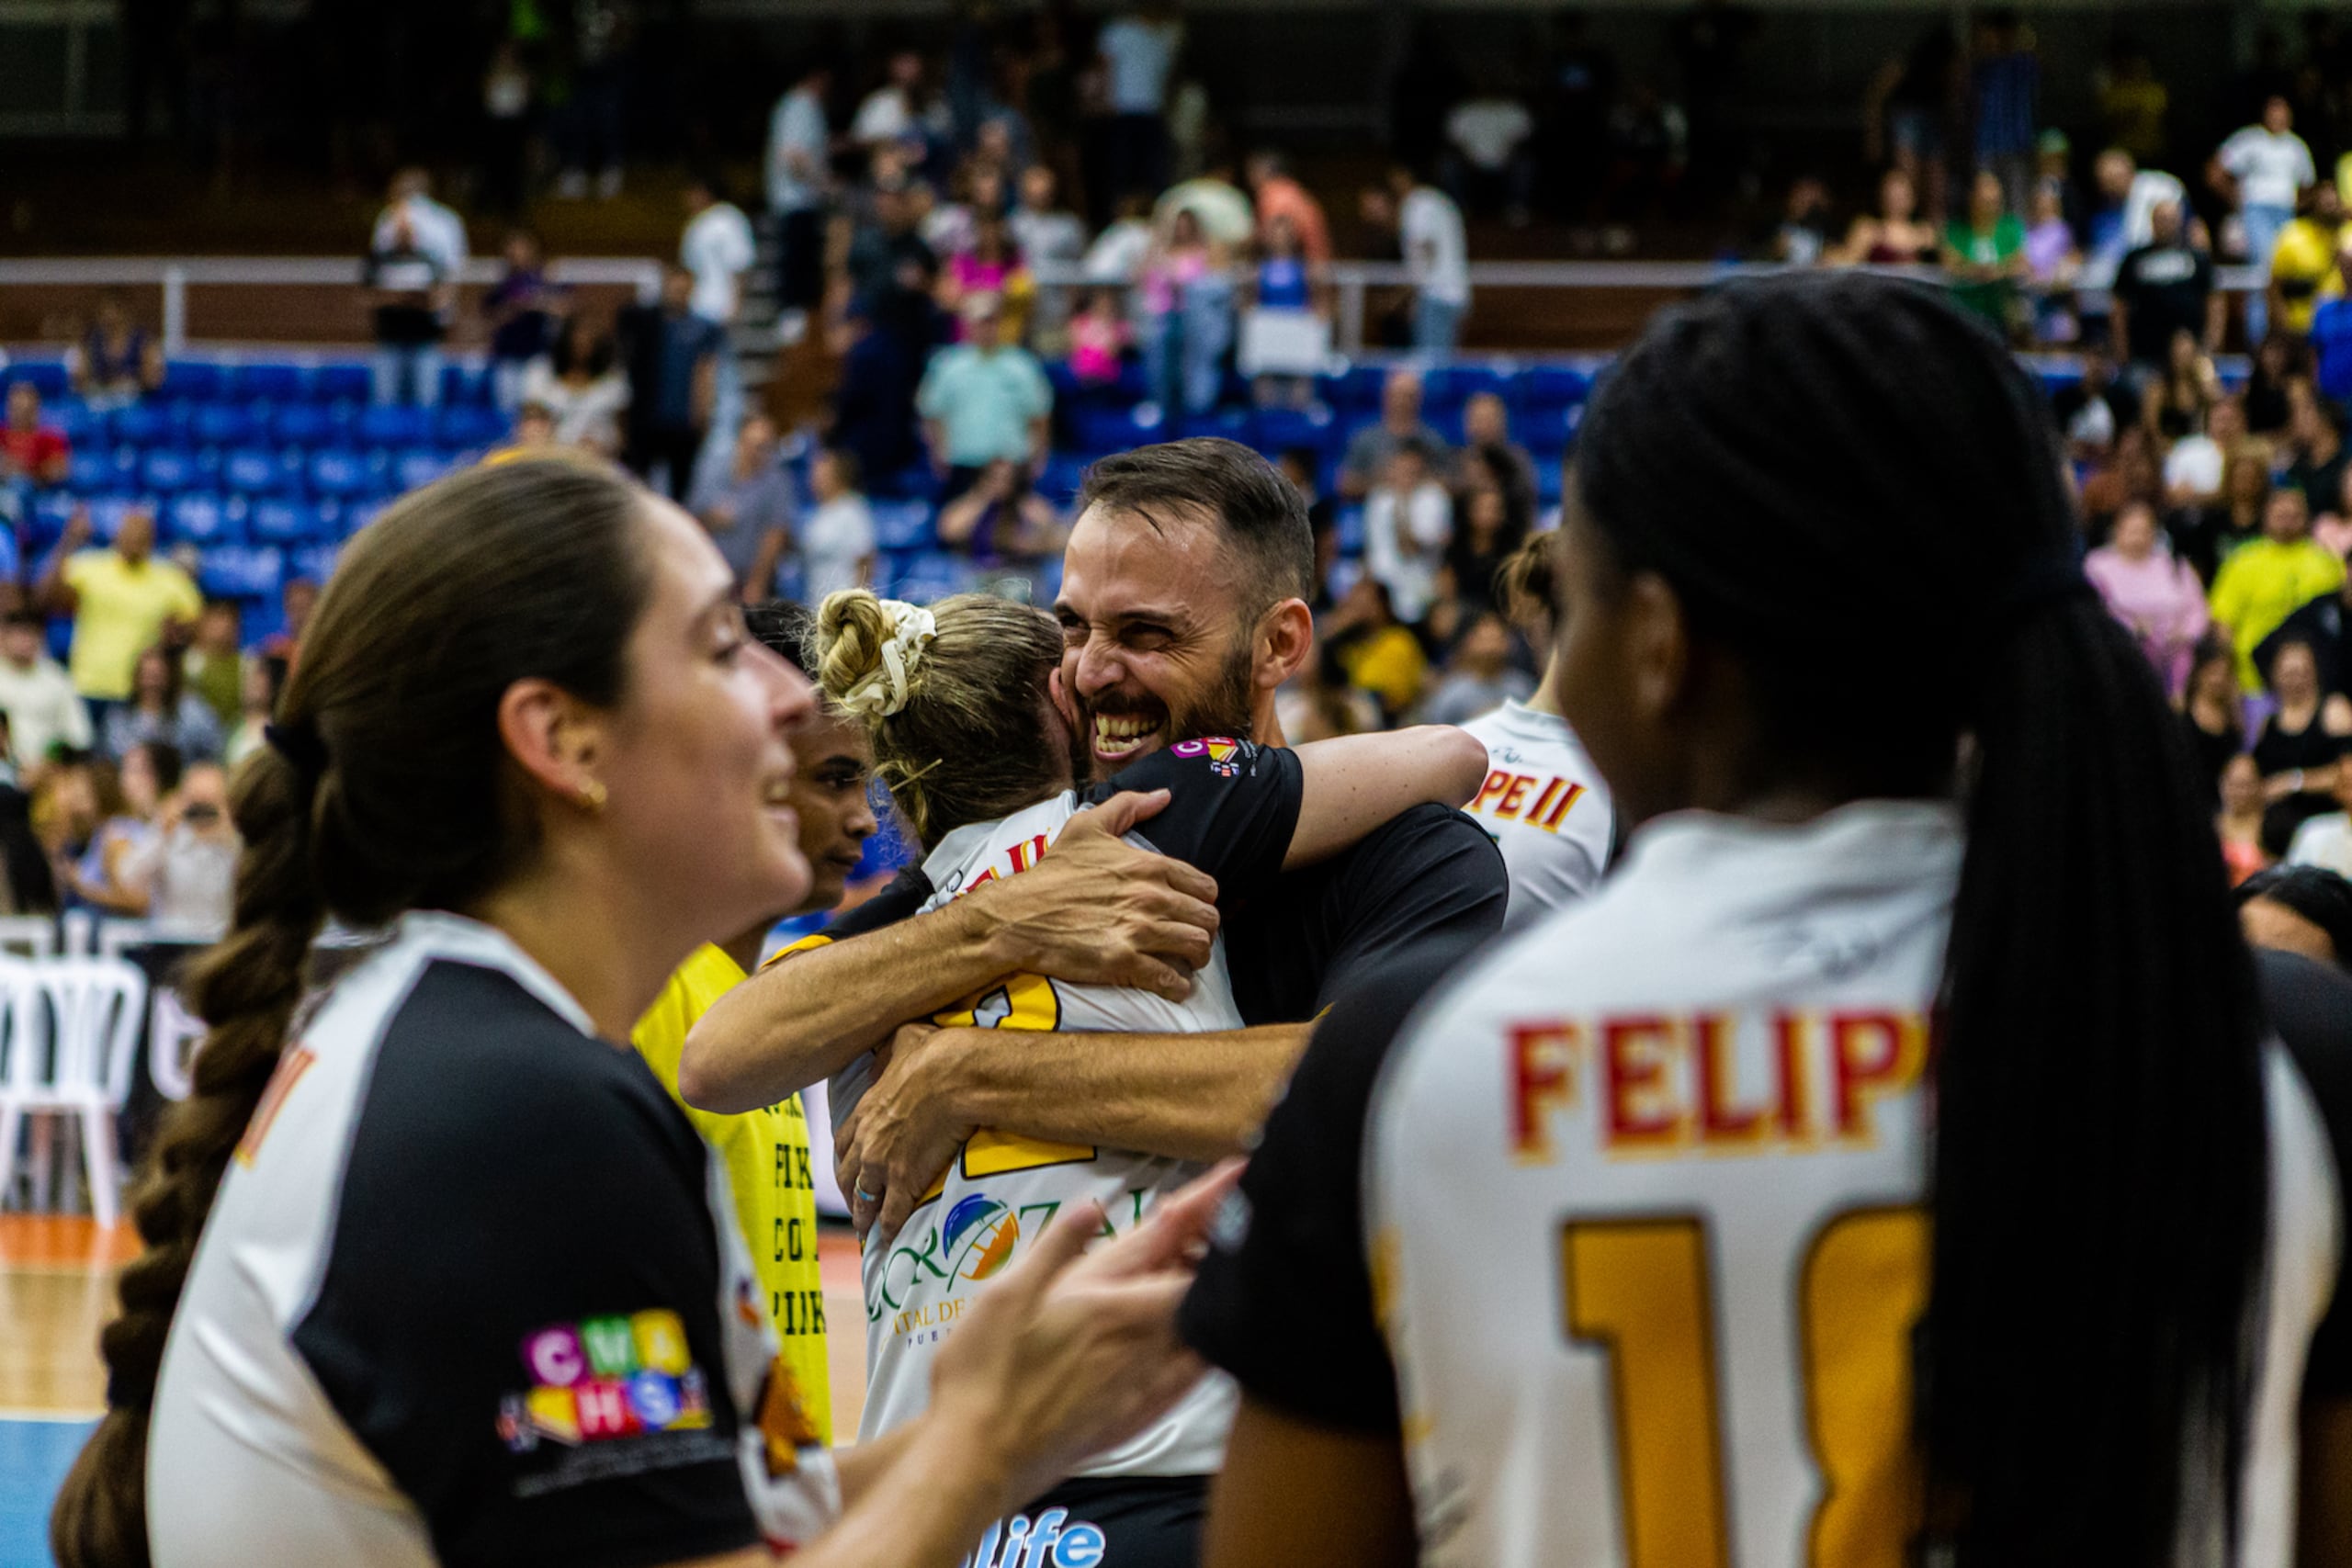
<point>1121,1521</point>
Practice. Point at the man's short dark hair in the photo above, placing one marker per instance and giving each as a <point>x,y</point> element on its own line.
<point>1261,514</point>
<point>2314,893</point>
<point>783,628</point>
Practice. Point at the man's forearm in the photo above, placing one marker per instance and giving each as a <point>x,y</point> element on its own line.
<point>1197,1096</point>
<point>804,1020</point>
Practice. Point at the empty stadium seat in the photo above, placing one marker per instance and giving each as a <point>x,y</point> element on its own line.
<point>903,524</point>
<point>1357,386</point>
<point>461,426</point>
<point>223,425</point>
<point>272,382</point>
<point>1548,480</point>
<point>199,517</point>
<point>1542,429</point>
<point>354,515</point>
<point>53,509</point>
<point>1063,473</point>
<point>1116,430</point>
<point>315,562</point>
<point>253,470</point>
<point>1280,430</point>
<point>48,375</point>
<point>1550,387</point>
<point>342,383</point>
<point>302,425</point>
<point>241,571</point>
<point>1453,385</point>
<point>394,425</point>
<point>87,472</point>
<point>1348,521</point>
<point>340,472</point>
<point>276,520</point>
<point>143,425</point>
<point>192,381</point>
<point>463,384</point>
<point>165,469</point>
<point>80,424</point>
<point>419,466</point>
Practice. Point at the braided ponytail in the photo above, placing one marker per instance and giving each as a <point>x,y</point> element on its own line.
<point>245,988</point>
<point>385,791</point>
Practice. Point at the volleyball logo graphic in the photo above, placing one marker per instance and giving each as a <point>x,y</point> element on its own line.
<point>978,1235</point>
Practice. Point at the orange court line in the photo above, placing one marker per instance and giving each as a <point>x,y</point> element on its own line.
<point>52,1241</point>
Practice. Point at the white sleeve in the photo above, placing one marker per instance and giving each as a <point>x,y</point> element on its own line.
<point>2233,156</point>
<point>1433,516</point>
<point>2305,174</point>
<point>794,1508</point>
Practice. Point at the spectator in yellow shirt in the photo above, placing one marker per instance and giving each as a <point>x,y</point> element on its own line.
<point>1380,654</point>
<point>2304,266</point>
<point>766,1151</point>
<point>123,601</point>
<point>2267,580</point>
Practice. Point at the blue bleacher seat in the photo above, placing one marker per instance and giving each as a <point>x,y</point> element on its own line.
<point>342,383</point>
<point>1232,423</point>
<point>921,576</point>
<point>241,571</point>
<point>106,513</point>
<point>199,517</point>
<point>1357,386</point>
<point>48,375</point>
<point>165,469</point>
<point>278,521</point>
<point>1552,387</point>
<point>78,423</point>
<point>302,425</point>
<point>354,515</point>
<point>253,470</point>
<point>1453,384</point>
<point>464,384</point>
<point>461,426</point>
<point>315,562</point>
<point>903,524</point>
<point>395,425</point>
<point>906,484</point>
<point>192,381</point>
<point>123,462</point>
<point>53,509</point>
<point>418,467</point>
<point>271,381</point>
<point>340,472</point>
<point>1116,430</point>
<point>1350,523</point>
<point>90,471</point>
<point>143,425</point>
<point>1279,429</point>
<point>1064,472</point>
<point>222,424</point>
<point>1548,481</point>
<point>1542,429</point>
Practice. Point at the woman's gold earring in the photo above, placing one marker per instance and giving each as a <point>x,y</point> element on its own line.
<point>592,794</point>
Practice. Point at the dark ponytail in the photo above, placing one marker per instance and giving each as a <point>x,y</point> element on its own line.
<point>384,789</point>
<point>1852,488</point>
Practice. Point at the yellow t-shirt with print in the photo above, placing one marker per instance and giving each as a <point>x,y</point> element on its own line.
<point>766,1156</point>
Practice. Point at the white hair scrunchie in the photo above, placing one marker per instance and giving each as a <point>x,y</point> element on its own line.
<point>884,693</point>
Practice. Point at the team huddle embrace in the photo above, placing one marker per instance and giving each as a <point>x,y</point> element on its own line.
<point>1793,1092</point>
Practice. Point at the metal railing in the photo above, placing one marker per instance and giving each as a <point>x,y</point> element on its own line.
<point>174,276</point>
<point>1352,282</point>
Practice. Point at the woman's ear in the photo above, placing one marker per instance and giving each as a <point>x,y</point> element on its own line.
<point>557,740</point>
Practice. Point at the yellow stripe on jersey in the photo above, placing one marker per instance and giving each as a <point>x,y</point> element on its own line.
<point>766,1156</point>
<point>814,940</point>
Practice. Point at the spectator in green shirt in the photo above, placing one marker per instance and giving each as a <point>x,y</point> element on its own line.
<point>983,400</point>
<point>1985,254</point>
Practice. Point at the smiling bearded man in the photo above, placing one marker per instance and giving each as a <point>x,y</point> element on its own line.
<point>1183,611</point>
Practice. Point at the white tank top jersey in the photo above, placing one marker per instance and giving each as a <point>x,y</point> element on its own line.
<point>1545,806</point>
<point>1233,810</point>
<point>472,1292</point>
<point>1644,1189</point>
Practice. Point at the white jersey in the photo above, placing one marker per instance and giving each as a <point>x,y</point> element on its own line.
<point>1234,808</point>
<point>472,1290</point>
<point>1546,808</point>
<point>1646,1197</point>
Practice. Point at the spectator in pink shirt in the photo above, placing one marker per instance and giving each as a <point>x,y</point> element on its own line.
<point>2150,591</point>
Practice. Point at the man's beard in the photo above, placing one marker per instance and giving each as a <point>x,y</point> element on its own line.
<point>1222,709</point>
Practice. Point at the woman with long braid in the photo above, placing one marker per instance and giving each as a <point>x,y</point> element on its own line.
<point>435,1271</point>
<point>1889,1164</point>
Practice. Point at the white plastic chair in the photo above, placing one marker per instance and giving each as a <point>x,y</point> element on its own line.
<point>173,1035</point>
<point>32,936</point>
<point>78,1066</point>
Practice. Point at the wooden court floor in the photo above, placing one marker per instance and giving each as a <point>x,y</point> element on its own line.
<point>57,1291</point>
